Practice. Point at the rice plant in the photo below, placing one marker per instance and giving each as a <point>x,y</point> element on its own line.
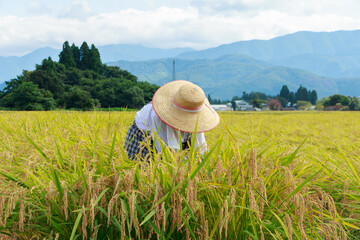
<point>65,175</point>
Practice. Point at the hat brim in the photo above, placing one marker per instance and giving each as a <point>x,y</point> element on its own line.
<point>163,104</point>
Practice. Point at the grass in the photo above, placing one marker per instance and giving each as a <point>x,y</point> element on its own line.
<point>65,175</point>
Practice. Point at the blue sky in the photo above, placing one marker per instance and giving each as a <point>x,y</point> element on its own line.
<point>29,24</point>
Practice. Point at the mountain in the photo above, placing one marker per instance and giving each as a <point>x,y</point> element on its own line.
<point>230,75</point>
<point>325,65</point>
<point>132,52</point>
<point>328,62</point>
<point>331,54</point>
<point>343,43</point>
<point>10,67</point>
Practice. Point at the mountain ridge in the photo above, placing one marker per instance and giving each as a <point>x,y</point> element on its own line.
<point>230,75</point>
<point>12,66</point>
<point>321,55</point>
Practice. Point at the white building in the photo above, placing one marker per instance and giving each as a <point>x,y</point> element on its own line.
<point>220,107</point>
<point>243,106</point>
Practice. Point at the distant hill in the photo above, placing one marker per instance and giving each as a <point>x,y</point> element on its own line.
<point>332,66</point>
<point>131,52</point>
<point>331,54</point>
<point>343,43</point>
<point>10,67</point>
<point>227,76</point>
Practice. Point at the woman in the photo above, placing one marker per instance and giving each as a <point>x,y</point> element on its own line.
<point>177,107</point>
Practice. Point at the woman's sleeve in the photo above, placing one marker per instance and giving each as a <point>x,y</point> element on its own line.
<point>200,143</point>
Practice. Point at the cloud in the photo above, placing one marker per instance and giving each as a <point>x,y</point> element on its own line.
<point>77,10</point>
<point>163,27</point>
<point>38,8</point>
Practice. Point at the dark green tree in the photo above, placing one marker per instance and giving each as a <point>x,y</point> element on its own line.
<point>285,93</point>
<point>73,76</point>
<point>313,97</point>
<point>76,98</point>
<point>283,101</point>
<point>135,96</point>
<point>233,105</point>
<point>71,87</point>
<point>354,104</point>
<point>27,96</point>
<point>292,97</point>
<point>95,63</point>
<point>76,54</point>
<point>85,57</point>
<point>237,97</point>
<point>302,94</point>
<point>337,99</point>
<point>66,56</point>
<point>46,76</point>
<point>148,89</point>
<point>256,102</point>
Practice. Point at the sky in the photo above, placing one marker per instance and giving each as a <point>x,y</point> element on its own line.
<point>29,24</point>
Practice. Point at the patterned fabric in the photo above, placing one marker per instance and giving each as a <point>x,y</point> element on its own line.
<point>136,147</point>
<point>135,143</point>
<point>186,143</point>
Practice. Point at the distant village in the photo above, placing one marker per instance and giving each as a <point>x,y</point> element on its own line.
<point>333,103</point>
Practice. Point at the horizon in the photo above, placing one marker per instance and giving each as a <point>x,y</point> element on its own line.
<point>164,48</point>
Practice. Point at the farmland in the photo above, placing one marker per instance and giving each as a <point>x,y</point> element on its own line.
<point>65,175</point>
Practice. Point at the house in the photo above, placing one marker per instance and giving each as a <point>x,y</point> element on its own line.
<point>221,107</point>
<point>288,109</point>
<point>243,106</point>
<point>334,108</point>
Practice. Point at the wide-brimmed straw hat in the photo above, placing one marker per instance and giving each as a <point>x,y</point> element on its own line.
<point>182,105</point>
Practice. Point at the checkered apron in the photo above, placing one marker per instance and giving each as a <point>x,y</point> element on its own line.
<point>136,143</point>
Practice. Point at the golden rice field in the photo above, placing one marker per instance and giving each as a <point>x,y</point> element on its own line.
<point>65,175</point>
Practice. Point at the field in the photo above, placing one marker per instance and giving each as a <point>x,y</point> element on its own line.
<point>64,175</point>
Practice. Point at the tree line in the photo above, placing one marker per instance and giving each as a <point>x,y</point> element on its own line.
<point>78,81</point>
<point>285,98</point>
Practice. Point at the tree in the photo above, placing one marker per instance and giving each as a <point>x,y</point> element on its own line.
<point>66,56</point>
<point>27,96</point>
<point>285,93</point>
<point>46,77</point>
<point>148,89</point>
<point>283,101</point>
<point>68,86</point>
<point>320,103</point>
<point>337,99</point>
<point>354,104</point>
<point>85,57</point>
<point>313,97</point>
<point>256,102</point>
<point>274,104</point>
<point>76,54</point>
<point>237,98</point>
<point>302,94</point>
<point>292,97</point>
<point>233,105</point>
<point>95,63</point>
<point>78,99</point>
<point>302,105</point>
<point>252,95</point>
<point>135,96</point>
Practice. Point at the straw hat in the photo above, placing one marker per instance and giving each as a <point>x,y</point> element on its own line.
<point>181,104</point>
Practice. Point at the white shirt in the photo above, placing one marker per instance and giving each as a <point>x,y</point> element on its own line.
<point>147,120</point>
